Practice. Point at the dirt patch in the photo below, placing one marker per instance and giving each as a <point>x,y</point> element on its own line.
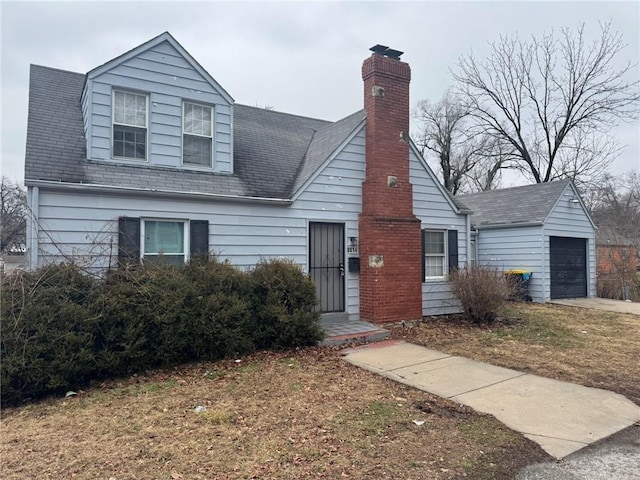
<point>306,414</point>
<point>449,410</point>
<point>593,348</point>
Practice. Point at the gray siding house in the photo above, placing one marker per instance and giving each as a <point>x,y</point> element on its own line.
<point>543,228</point>
<point>148,158</point>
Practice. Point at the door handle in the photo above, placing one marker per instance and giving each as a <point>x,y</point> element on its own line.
<point>341,268</point>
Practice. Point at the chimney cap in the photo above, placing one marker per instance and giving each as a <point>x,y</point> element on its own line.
<point>386,51</point>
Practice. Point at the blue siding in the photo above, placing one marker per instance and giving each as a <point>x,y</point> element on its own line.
<point>435,212</point>
<point>518,248</point>
<point>569,219</point>
<point>84,225</point>
<point>168,79</point>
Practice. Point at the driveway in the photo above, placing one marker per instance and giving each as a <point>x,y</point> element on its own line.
<point>607,304</point>
<point>614,458</point>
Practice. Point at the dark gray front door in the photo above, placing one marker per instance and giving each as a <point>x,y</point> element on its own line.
<point>568,265</point>
<point>326,264</point>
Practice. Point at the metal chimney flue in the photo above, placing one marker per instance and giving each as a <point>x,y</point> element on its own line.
<point>386,51</point>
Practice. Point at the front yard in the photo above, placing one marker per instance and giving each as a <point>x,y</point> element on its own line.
<point>309,414</point>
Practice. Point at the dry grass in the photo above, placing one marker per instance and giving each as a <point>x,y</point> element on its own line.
<point>593,348</point>
<point>286,416</point>
<point>309,414</point>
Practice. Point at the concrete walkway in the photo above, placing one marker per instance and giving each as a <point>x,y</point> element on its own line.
<point>561,417</point>
<point>606,304</point>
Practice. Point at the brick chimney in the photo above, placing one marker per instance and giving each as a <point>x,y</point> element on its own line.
<point>390,239</point>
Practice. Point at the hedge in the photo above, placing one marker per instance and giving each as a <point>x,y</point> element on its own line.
<point>62,328</point>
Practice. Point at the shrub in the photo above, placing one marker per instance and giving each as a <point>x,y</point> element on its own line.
<point>145,319</point>
<point>286,306</point>
<point>48,331</point>
<point>225,297</point>
<point>61,328</point>
<point>482,291</point>
<point>618,287</point>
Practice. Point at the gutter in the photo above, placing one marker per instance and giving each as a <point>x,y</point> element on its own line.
<point>507,225</point>
<point>154,191</point>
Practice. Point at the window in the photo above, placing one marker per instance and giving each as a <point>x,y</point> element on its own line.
<point>434,254</point>
<point>129,125</point>
<point>169,241</point>
<point>197,134</point>
<point>164,241</point>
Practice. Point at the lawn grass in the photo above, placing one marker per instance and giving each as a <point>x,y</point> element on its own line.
<point>309,414</point>
<point>304,414</point>
<point>590,347</point>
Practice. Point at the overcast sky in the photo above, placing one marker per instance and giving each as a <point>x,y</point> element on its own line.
<point>297,57</point>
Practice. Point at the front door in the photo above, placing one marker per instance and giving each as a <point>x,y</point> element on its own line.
<point>326,264</point>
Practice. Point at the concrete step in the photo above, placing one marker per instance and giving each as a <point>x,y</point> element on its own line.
<point>342,332</point>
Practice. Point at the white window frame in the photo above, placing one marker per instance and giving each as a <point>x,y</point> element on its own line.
<point>210,137</point>
<point>113,123</point>
<point>186,238</point>
<point>444,255</point>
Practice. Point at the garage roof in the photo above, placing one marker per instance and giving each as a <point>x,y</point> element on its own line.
<point>512,206</point>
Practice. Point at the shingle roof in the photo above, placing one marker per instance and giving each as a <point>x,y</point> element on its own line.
<point>274,153</point>
<point>509,206</point>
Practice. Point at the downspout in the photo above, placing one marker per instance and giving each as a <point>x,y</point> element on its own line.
<point>33,202</point>
<point>543,270</point>
<point>469,242</point>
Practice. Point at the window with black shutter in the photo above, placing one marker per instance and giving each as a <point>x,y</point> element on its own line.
<point>161,240</point>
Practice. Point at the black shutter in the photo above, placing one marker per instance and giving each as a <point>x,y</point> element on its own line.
<point>199,237</point>
<point>128,241</point>
<point>453,249</point>
<point>424,270</point>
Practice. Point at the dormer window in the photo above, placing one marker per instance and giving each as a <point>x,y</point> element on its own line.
<point>129,125</point>
<point>197,134</point>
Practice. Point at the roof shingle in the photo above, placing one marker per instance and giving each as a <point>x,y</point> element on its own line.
<point>510,206</point>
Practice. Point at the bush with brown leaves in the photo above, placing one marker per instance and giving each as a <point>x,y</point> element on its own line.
<point>482,291</point>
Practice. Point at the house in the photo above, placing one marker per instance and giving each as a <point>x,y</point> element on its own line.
<point>147,158</point>
<point>542,228</point>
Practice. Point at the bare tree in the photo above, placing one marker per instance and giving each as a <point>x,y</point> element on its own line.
<point>13,211</point>
<point>468,158</point>
<point>615,207</point>
<point>552,100</point>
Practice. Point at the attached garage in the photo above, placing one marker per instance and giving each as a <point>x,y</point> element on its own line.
<point>542,228</point>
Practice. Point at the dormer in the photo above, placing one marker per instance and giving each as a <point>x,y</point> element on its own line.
<point>155,105</point>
